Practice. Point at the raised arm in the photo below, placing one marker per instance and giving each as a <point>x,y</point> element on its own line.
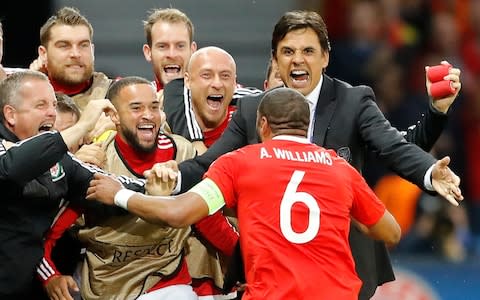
<point>91,114</point>
<point>427,130</point>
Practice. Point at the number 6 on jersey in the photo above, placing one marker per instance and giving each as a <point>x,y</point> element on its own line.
<point>290,197</point>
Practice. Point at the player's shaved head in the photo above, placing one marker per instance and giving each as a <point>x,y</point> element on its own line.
<point>286,110</point>
<point>207,53</point>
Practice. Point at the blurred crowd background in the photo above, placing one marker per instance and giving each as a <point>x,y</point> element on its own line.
<point>385,44</point>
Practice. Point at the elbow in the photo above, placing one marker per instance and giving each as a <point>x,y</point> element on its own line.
<point>395,236</point>
<point>177,219</point>
<point>178,223</point>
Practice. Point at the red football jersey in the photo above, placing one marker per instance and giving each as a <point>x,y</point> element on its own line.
<point>294,200</point>
<point>210,137</point>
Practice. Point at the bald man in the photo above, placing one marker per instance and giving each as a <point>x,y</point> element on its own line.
<point>199,106</point>
<point>211,79</point>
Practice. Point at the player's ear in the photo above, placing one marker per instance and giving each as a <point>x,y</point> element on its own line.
<point>9,113</point>
<point>115,118</point>
<point>264,130</point>
<point>186,80</point>
<point>147,52</point>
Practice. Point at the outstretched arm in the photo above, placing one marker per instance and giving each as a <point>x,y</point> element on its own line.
<point>445,182</point>
<point>177,211</point>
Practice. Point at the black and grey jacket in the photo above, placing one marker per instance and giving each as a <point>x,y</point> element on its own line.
<point>37,175</point>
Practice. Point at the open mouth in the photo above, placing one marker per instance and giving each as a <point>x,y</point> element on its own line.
<point>45,127</point>
<point>215,101</point>
<point>146,131</point>
<point>299,76</point>
<point>172,69</point>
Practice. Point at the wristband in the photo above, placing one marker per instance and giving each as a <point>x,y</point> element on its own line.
<point>121,198</point>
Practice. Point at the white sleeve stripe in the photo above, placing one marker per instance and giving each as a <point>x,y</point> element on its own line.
<point>94,169</point>
<point>41,274</point>
<point>45,270</point>
<point>231,225</point>
<point>17,144</point>
<point>242,91</point>
<point>193,128</point>
<point>91,168</point>
<point>127,180</point>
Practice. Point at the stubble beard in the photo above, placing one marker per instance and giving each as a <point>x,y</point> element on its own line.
<point>64,77</point>
<point>133,141</point>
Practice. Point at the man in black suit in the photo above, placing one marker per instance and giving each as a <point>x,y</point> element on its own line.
<point>344,118</point>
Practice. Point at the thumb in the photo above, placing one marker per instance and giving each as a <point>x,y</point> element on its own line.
<point>444,162</point>
<point>72,284</point>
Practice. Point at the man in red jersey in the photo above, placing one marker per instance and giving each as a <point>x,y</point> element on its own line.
<point>297,224</point>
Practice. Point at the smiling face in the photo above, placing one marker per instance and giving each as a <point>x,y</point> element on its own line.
<point>170,51</point>
<point>300,60</point>
<point>211,78</point>
<point>69,54</point>
<point>139,116</point>
<point>35,110</point>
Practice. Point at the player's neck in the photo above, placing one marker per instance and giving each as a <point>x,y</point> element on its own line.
<point>70,89</point>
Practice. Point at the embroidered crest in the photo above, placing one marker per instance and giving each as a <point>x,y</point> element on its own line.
<point>57,172</point>
<point>344,152</point>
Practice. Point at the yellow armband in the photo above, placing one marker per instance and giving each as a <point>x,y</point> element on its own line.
<point>211,194</point>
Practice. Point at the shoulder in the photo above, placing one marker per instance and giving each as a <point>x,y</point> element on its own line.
<point>345,89</point>
<point>174,88</point>
<point>249,101</point>
<point>185,149</point>
<point>242,91</point>
<point>176,139</point>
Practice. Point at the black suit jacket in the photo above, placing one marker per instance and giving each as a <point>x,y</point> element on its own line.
<point>348,120</point>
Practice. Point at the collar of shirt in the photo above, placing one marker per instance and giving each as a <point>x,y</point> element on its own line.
<point>312,101</point>
<point>292,138</point>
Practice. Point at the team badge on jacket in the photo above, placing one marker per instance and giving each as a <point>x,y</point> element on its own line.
<point>344,152</point>
<point>57,172</point>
